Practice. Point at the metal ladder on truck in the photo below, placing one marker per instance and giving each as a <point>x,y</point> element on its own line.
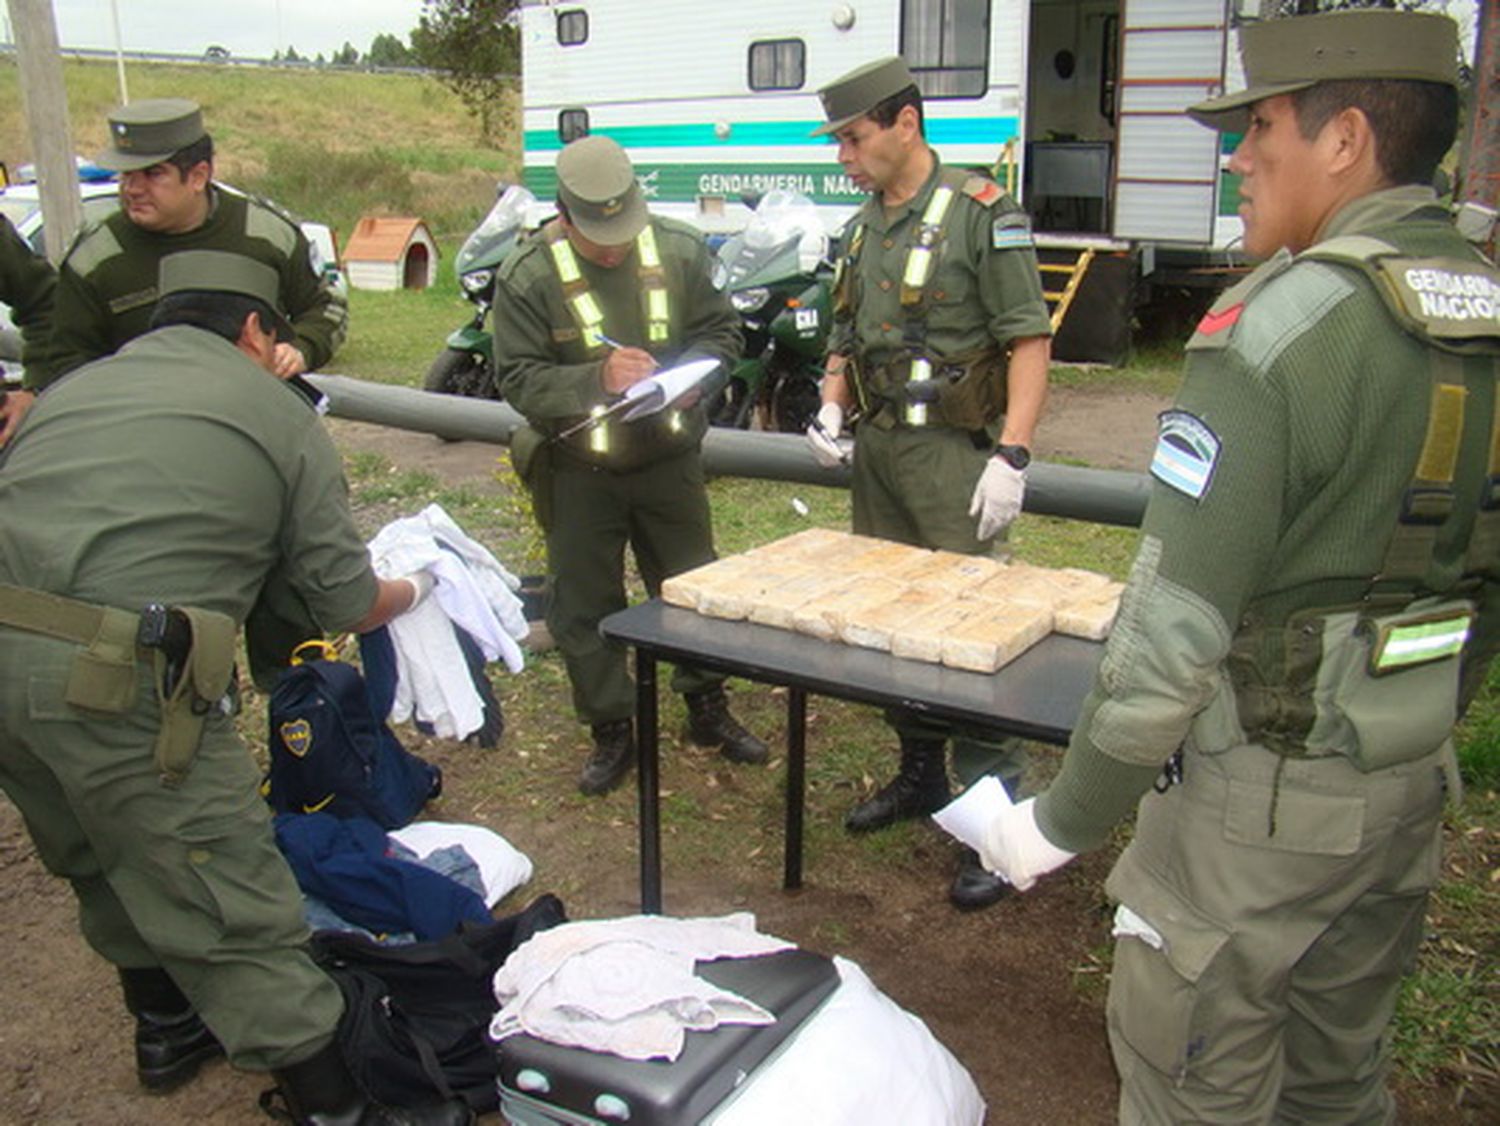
<point>1068,276</point>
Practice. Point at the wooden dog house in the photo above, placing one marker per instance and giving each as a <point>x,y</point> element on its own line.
<point>391,253</point>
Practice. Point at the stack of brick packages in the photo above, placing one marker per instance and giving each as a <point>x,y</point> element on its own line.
<point>964,611</point>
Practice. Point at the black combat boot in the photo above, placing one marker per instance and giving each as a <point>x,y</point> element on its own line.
<point>614,753</point>
<point>321,1092</point>
<point>171,1041</point>
<point>919,788</point>
<point>975,887</point>
<point>710,724</point>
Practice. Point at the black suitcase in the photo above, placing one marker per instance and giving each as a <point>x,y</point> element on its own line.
<point>544,1084</point>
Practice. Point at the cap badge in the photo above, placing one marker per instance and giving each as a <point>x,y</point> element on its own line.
<point>612,207</point>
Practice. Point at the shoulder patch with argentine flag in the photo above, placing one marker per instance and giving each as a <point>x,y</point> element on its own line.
<point>1011,231</point>
<point>1187,451</point>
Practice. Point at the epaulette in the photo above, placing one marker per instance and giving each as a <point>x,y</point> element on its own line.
<point>983,191</point>
<point>90,246</point>
<point>526,247</point>
<point>264,202</point>
<point>1224,313</point>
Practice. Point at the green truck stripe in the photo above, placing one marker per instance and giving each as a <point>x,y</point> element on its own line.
<point>769,134</point>
<point>684,183</point>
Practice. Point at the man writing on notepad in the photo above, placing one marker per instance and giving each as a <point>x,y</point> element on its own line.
<point>593,304</point>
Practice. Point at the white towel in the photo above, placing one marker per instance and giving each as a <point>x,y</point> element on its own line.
<point>627,985</point>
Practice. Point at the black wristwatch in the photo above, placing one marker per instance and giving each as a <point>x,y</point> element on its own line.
<point>1017,457</point>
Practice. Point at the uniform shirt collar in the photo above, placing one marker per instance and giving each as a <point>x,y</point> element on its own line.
<point>1380,209</point>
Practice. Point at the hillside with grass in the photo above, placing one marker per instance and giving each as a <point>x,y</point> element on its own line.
<point>328,145</point>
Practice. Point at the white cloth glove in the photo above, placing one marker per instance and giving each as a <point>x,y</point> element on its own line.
<point>421,583</point>
<point>822,435</point>
<point>1015,849</point>
<point>997,496</point>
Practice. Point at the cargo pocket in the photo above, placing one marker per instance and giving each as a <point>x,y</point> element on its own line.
<point>1387,690</point>
<point>1156,998</point>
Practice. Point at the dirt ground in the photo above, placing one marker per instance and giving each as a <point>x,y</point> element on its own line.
<point>1015,992</point>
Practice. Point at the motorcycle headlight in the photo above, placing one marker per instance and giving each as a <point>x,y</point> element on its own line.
<point>476,282</point>
<point>749,300</point>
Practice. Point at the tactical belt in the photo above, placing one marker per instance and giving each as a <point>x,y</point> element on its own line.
<point>190,652</point>
<point>66,619</point>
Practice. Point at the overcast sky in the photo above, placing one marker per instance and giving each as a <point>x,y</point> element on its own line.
<point>257,28</point>
<point>252,28</point>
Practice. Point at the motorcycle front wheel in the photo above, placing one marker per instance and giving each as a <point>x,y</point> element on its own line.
<point>459,372</point>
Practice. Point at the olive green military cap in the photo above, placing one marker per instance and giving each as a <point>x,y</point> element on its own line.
<point>145,133</point>
<point>849,98</point>
<point>597,184</point>
<point>1286,55</point>
<point>219,271</point>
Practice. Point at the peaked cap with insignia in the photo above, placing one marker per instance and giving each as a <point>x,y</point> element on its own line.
<point>597,184</point>
<point>148,132</point>
<point>855,94</point>
<point>1285,55</point>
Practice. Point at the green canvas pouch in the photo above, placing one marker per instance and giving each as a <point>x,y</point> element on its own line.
<point>103,675</point>
<point>1387,688</point>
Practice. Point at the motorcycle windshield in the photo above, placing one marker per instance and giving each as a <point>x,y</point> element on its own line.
<point>783,238</point>
<point>489,242</point>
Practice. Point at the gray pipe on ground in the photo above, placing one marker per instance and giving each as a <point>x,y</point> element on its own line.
<point>1100,496</point>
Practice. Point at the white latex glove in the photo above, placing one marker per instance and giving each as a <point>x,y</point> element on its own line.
<point>421,583</point>
<point>822,435</point>
<point>1015,848</point>
<point>997,496</point>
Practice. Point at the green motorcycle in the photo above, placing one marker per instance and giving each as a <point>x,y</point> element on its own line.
<point>778,277</point>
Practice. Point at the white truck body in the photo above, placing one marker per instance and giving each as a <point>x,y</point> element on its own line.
<point>1078,103</point>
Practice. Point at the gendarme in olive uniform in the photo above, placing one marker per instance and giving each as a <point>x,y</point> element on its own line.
<point>107,282</point>
<point>27,284</point>
<point>176,472</point>
<point>1313,603</point>
<point>938,319</point>
<point>597,487</point>
<point>916,462</point>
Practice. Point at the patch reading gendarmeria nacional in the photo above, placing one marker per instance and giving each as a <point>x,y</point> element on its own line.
<point>1186,453</point>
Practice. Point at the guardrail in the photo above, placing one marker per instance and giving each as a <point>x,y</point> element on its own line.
<point>1100,496</point>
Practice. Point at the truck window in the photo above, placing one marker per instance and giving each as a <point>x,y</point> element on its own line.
<point>946,45</point>
<point>778,64</point>
<point>572,27</point>
<point>572,124</point>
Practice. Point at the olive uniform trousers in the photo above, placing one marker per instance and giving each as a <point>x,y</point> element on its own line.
<point>1290,896</point>
<point>661,511</point>
<point>913,485</point>
<point>186,878</point>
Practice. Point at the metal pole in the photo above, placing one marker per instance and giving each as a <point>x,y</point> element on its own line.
<point>1100,496</point>
<point>114,11</point>
<point>46,103</point>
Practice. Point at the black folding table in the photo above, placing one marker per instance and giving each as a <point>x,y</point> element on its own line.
<point>1037,696</point>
